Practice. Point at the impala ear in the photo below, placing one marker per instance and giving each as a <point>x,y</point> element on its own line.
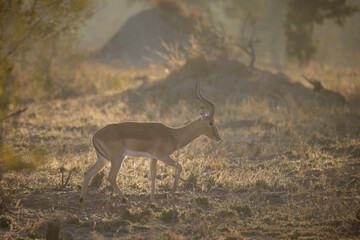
<point>202,113</point>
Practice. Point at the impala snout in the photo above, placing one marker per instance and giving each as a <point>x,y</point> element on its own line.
<point>216,137</point>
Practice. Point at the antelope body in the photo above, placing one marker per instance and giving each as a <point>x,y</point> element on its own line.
<point>147,139</point>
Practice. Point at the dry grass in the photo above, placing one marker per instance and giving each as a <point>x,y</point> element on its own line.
<point>288,172</point>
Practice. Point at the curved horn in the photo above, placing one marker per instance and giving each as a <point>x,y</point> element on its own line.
<point>207,102</point>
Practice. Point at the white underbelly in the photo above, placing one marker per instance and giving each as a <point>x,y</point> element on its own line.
<point>138,154</point>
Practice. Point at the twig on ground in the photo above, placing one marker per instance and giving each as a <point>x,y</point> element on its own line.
<point>13,114</point>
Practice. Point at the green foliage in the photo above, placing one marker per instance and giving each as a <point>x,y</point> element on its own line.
<point>29,26</point>
<point>301,17</point>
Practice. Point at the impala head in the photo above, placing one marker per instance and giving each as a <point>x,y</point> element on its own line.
<point>207,117</point>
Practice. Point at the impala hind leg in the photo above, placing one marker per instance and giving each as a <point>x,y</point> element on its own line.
<point>114,170</point>
<point>178,169</point>
<point>153,163</point>
<point>97,167</point>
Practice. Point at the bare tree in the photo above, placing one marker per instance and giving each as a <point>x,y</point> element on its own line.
<point>248,38</point>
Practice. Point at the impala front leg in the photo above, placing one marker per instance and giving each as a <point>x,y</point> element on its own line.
<point>97,167</point>
<point>114,170</point>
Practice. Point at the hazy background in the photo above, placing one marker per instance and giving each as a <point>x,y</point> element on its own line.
<point>106,22</point>
<point>336,44</point>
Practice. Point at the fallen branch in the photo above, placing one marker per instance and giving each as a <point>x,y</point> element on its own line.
<point>318,87</point>
<point>13,114</point>
<point>316,83</point>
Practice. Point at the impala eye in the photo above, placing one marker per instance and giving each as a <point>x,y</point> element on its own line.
<point>211,124</point>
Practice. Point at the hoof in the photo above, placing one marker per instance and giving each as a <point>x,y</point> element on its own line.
<point>81,200</point>
<point>124,200</point>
